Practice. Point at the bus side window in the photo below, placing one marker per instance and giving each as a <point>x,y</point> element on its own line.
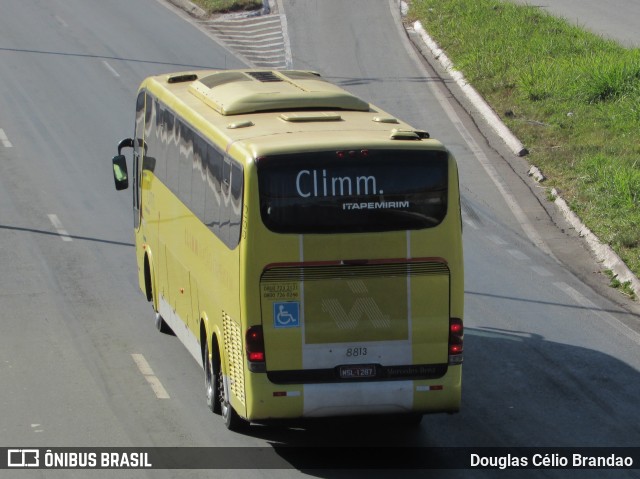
<point>225,216</point>
<point>152,136</point>
<point>184,155</point>
<point>138,155</point>
<point>235,205</point>
<point>170,150</point>
<point>198,177</point>
<point>213,193</point>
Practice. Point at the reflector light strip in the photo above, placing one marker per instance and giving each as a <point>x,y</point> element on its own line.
<point>429,388</point>
<point>280,394</point>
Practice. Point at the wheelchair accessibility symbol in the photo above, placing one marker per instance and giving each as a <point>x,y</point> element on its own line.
<point>286,315</point>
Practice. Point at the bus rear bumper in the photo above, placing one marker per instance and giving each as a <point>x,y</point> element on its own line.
<point>354,398</point>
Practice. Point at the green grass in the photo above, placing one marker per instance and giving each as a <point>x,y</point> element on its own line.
<point>573,99</point>
<point>226,6</point>
<point>625,288</point>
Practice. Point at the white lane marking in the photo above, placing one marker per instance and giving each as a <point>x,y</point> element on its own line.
<point>57,224</point>
<point>517,254</point>
<point>542,271</point>
<point>497,240</point>
<point>147,372</point>
<point>61,21</point>
<point>470,223</point>
<point>111,69</point>
<point>4,139</point>
<point>582,300</point>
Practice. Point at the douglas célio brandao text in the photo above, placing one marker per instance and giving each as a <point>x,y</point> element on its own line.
<point>550,460</point>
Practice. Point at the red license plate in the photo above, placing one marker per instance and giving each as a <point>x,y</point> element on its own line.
<point>357,372</point>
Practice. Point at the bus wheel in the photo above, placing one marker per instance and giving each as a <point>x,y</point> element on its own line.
<point>211,373</point>
<point>229,415</point>
<point>162,326</point>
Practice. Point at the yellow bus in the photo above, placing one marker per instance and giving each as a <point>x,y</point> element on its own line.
<point>303,244</point>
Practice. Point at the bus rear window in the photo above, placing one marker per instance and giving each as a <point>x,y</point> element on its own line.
<point>332,192</point>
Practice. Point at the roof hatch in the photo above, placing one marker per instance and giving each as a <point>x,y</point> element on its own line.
<point>238,92</point>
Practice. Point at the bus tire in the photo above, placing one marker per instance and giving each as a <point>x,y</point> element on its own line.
<point>232,421</point>
<point>211,373</point>
<point>162,326</point>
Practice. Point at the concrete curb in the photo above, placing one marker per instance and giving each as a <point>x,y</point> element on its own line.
<point>191,8</point>
<point>195,11</point>
<point>603,252</point>
<point>474,97</point>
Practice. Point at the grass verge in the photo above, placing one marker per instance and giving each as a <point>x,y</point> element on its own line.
<point>226,6</point>
<point>572,97</point>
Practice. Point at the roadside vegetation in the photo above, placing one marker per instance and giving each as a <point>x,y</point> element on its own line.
<point>572,97</point>
<point>227,6</point>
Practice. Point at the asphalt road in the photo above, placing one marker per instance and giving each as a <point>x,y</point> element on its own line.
<point>549,361</point>
<point>615,19</point>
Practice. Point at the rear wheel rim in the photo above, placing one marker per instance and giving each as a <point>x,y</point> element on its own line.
<point>210,382</point>
<point>222,397</point>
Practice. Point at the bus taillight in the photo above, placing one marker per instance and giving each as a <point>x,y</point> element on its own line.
<point>456,335</point>
<point>255,349</point>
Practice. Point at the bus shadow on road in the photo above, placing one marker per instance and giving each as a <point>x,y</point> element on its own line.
<point>520,390</point>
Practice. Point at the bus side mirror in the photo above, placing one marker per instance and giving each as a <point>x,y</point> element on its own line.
<point>149,163</point>
<point>120,175</point>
